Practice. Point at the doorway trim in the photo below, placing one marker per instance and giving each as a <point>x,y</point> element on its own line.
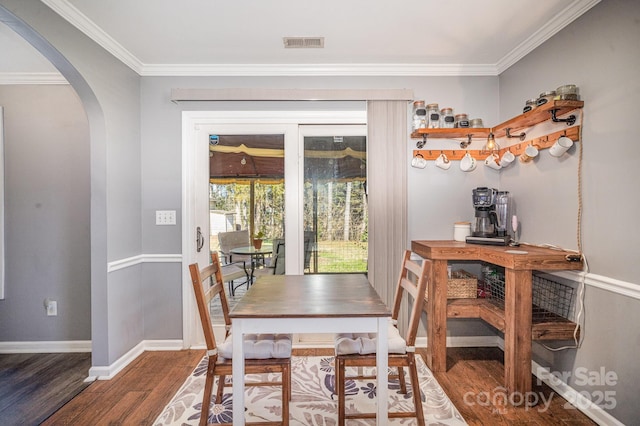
<point>191,121</point>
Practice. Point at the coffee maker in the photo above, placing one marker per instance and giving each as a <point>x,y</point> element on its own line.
<point>491,213</point>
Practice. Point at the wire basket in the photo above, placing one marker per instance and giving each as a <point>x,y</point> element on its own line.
<point>551,299</point>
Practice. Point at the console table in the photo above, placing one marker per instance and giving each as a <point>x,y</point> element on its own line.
<point>515,321</point>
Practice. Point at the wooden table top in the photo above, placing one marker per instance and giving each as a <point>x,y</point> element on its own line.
<point>311,296</point>
<point>523,257</point>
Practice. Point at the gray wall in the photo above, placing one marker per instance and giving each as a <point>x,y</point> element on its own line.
<point>600,53</point>
<point>46,214</point>
<point>110,94</point>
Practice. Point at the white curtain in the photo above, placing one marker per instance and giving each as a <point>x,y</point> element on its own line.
<point>387,194</point>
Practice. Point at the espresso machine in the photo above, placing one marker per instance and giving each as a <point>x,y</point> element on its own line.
<point>491,213</point>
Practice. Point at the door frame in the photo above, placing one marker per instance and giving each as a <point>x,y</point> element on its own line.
<point>237,122</point>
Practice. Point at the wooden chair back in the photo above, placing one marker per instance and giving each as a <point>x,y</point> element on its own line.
<point>207,284</point>
<point>413,281</point>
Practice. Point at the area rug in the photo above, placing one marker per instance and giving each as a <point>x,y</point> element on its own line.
<point>313,399</point>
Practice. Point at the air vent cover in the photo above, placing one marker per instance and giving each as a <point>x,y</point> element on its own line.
<point>303,42</point>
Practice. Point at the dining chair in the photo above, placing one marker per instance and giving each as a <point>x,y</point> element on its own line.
<point>275,264</point>
<point>358,349</point>
<point>264,353</point>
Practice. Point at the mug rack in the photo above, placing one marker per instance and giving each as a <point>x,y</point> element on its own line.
<point>542,142</point>
<point>549,111</point>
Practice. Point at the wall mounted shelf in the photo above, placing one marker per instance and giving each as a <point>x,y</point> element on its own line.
<point>548,111</point>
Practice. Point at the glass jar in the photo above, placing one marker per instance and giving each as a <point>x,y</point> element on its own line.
<point>545,97</point>
<point>447,120</point>
<point>419,115</point>
<point>433,115</point>
<point>462,120</point>
<point>568,92</point>
<point>530,104</point>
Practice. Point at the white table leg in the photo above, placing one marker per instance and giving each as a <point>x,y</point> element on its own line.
<point>382,362</point>
<point>238,372</point>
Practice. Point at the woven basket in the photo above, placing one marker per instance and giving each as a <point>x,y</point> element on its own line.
<point>462,285</point>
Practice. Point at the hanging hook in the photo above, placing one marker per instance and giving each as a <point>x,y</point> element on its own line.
<point>521,135</point>
<point>571,120</point>
<point>464,144</point>
<point>423,142</point>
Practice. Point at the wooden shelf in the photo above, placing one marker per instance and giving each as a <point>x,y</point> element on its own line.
<point>557,328</point>
<point>536,116</point>
<point>459,132</point>
<point>522,121</point>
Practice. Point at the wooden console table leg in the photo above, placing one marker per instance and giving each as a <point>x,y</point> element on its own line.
<point>437,317</point>
<point>517,336</point>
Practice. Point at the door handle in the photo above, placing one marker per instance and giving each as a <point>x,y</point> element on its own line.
<point>199,239</point>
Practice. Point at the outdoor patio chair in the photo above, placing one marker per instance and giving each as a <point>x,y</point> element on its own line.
<point>275,265</point>
<point>232,272</point>
<point>358,350</point>
<point>264,353</point>
<point>234,266</point>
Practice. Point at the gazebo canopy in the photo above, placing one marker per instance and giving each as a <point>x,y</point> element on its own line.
<point>246,158</point>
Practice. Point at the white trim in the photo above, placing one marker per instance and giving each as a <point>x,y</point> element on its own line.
<point>583,404</point>
<point>93,31</point>
<point>45,347</point>
<point>465,341</point>
<point>323,70</point>
<point>116,265</point>
<point>613,285</point>
<point>548,30</point>
<point>108,372</point>
<point>2,206</point>
<point>8,78</point>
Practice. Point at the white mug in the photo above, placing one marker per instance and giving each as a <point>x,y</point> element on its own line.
<point>529,154</point>
<point>443,162</point>
<point>493,162</point>
<point>468,163</point>
<point>561,146</point>
<point>507,158</point>
<point>419,162</point>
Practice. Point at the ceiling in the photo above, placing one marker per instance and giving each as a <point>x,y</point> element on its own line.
<point>361,37</point>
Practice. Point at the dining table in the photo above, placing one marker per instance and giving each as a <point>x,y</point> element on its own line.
<point>314,303</point>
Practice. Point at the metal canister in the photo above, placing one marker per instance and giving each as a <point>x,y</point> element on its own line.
<point>476,123</point>
<point>545,97</point>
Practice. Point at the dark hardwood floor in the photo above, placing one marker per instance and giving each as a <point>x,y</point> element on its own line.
<point>137,395</point>
<point>32,386</point>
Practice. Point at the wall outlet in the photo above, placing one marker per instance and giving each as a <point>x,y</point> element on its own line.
<point>52,307</point>
<point>165,217</point>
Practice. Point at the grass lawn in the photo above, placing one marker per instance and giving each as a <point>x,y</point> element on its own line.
<point>341,256</point>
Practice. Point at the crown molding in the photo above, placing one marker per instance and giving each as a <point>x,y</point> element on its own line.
<point>246,70</point>
<point>7,78</point>
<point>97,34</point>
<point>572,12</point>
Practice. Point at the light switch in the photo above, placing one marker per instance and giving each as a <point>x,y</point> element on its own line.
<point>165,217</point>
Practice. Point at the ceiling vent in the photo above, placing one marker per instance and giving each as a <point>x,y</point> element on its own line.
<point>303,42</point>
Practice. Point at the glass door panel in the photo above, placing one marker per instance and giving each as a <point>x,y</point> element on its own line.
<point>335,202</point>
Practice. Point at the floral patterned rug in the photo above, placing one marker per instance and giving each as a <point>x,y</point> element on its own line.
<point>313,399</point>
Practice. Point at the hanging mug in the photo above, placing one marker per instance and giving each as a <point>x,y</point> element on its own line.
<point>468,163</point>
<point>418,161</point>
<point>443,162</point>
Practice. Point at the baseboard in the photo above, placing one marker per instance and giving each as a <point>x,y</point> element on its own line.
<point>464,341</point>
<point>577,399</point>
<point>45,347</point>
<point>109,371</point>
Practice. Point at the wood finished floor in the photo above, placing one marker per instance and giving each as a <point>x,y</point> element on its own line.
<point>137,395</point>
<point>32,386</point>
